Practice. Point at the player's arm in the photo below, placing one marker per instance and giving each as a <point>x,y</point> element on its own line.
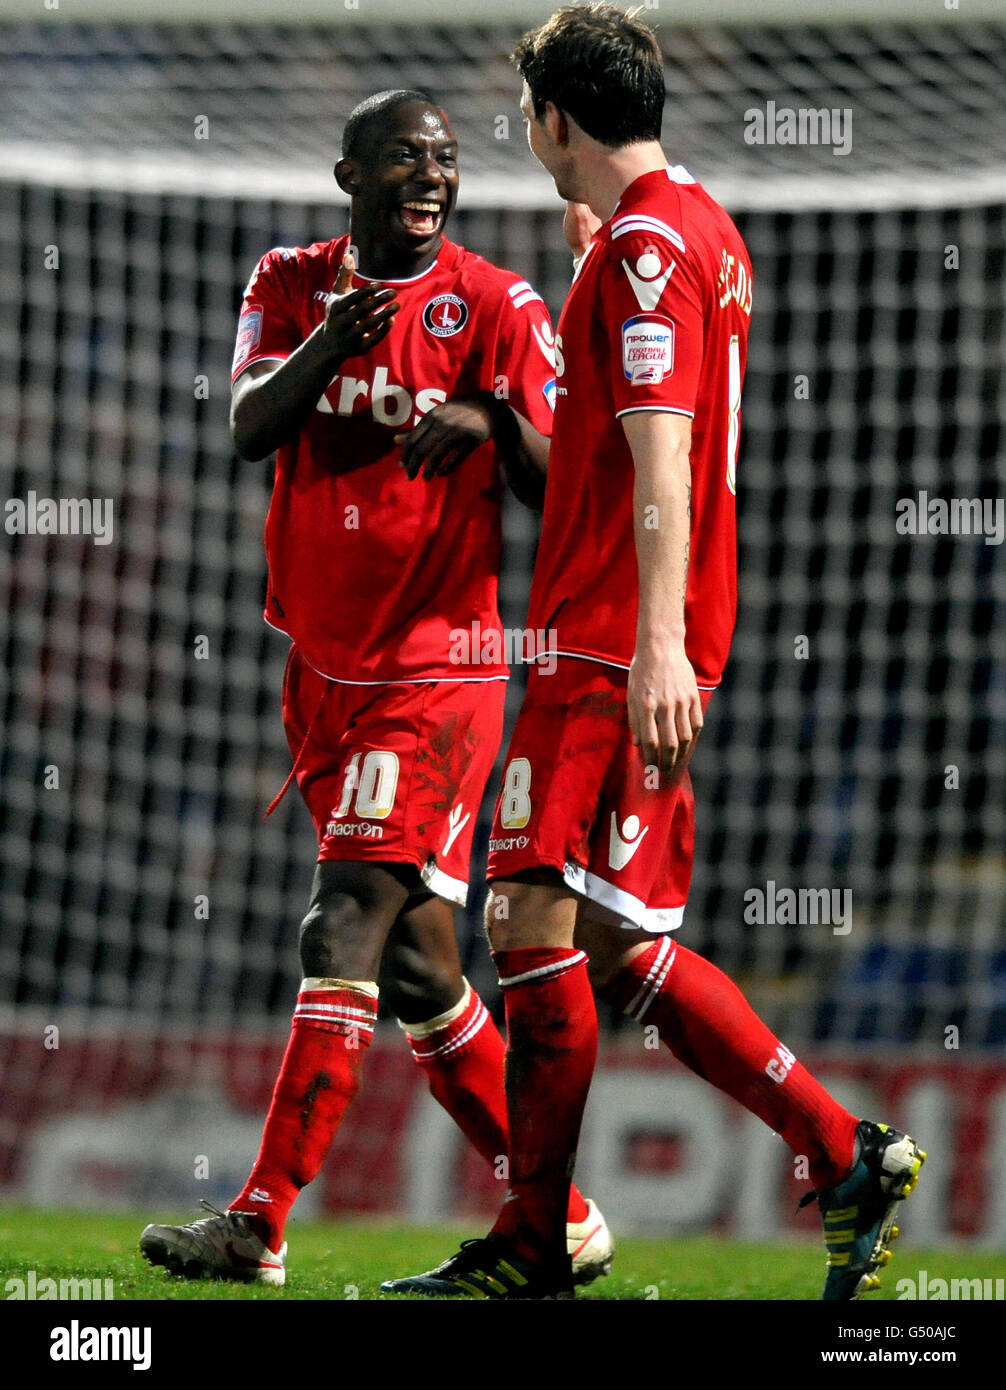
<point>270,403</point>
<point>664,709</point>
<point>518,420</point>
<point>524,452</point>
<point>447,434</point>
<point>579,225</point>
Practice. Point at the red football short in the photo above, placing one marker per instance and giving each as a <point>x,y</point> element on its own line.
<point>577,797</point>
<point>394,773</point>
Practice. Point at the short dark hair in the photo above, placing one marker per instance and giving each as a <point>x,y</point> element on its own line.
<point>368,121</point>
<point>600,66</point>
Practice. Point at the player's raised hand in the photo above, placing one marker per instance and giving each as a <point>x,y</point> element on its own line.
<point>664,709</point>
<point>344,279</point>
<point>444,438</point>
<point>357,320</point>
<point>579,226</point>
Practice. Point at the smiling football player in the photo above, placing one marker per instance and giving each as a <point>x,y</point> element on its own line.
<point>401,378</point>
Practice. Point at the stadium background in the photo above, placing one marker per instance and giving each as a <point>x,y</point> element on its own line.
<point>147,942</point>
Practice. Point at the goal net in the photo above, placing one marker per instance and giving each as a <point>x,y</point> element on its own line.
<point>851,782</point>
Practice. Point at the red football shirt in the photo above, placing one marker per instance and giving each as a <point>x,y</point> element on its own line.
<point>656,319</point>
<point>370,573</point>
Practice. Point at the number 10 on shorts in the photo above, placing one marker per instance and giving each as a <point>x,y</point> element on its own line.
<point>375,784</point>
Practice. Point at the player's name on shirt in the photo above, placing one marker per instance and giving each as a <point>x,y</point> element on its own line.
<point>734,283</point>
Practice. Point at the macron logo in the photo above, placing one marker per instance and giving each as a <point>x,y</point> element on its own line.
<point>621,850</point>
<point>258,1194</point>
<point>455,825</point>
<point>648,279</point>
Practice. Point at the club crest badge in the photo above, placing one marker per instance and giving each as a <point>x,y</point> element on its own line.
<point>445,315</point>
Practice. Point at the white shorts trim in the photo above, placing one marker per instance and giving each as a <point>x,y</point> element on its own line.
<point>633,910</point>
<point>455,890</point>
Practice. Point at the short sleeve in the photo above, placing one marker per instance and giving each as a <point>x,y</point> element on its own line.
<point>653,313</point>
<point>525,355</point>
<point>267,326</point>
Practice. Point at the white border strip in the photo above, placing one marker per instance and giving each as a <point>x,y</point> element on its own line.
<point>455,890</point>
<point>474,1025</point>
<point>338,1024</point>
<point>557,967</point>
<point>634,910</point>
<point>434,1025</point>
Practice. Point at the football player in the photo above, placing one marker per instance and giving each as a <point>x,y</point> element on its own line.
<point>399,376</point>
<point>636,574</point>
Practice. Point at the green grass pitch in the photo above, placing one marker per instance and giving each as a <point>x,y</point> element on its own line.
<point>343,1260</point>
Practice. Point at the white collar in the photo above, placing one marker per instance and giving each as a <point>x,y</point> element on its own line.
<point>385,281</point>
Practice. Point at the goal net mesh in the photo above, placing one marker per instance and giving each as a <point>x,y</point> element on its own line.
<point>857,745</point>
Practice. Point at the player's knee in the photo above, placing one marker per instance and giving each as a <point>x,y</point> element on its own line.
<point>318,942</point>
<point>506,906</point>
<point>534,913</point>
<point>527,916</point>
<point>502,915</point>
<point>352,909</point>
<point>417,987</point>
<point>334,940</point>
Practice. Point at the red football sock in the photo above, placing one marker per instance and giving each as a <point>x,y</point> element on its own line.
<point>332,1027</point>
<point>708,1024</point>
<point>461,1054</point>
<point>552,1032</point>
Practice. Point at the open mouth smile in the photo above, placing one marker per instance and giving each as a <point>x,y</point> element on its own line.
<point>421,217</point>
